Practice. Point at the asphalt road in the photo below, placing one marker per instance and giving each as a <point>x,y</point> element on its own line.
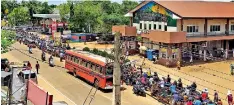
<point>73,88</point>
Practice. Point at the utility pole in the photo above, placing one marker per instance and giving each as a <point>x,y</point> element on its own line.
<point>117,72</point>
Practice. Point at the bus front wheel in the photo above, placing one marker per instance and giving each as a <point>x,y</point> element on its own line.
<point>96,83</point>
<point>74,73</point>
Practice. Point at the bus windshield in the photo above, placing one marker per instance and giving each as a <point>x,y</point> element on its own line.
<point>109,70</point>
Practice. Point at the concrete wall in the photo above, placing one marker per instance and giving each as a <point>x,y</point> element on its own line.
<point>178,24</point>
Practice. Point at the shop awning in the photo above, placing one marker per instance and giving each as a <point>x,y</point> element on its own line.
<point>47,15</point>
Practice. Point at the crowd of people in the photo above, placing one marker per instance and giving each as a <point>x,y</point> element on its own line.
<point>167,91</point>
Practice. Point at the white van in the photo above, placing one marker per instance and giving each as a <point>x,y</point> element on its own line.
<point>24,75</point>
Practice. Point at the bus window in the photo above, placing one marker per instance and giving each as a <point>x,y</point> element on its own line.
<point>101,70</point>
<point>97,69</point>
<point>84,63</point>
<point>93,67</point>
<point>71,58</point>
<point>80,61</point>
<point>76,60</point>
<point>109,70</point>
<point>89,65</point>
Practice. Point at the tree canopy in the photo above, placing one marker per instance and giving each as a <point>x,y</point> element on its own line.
<point>83,16</point>
<point>95,16</point>
<point>19,15</point>
<point>7,39</point>
<point>31,6</point>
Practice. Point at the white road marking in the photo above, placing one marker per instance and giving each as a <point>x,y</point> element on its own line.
<point>56,89</point>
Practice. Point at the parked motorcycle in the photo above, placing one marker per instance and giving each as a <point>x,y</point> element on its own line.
<point>139,90</point>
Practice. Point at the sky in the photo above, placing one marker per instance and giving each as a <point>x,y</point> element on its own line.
<point>57,2</point>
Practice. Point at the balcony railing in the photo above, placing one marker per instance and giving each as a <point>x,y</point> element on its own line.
<point>231,32</point>
<point>202,34</point>
<point>215,33</point>
<point>195,34</point>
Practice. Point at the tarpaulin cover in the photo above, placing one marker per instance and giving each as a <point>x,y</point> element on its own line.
<point>37,95</point>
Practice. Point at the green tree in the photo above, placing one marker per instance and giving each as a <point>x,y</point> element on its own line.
<point>96,16</point>
<point>8,5</point>
<point>64,10</point>
<point>7,38</point>
<point>19,16</point>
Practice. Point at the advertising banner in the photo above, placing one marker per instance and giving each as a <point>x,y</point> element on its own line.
<point>37,95</point>
<point>54,28</point>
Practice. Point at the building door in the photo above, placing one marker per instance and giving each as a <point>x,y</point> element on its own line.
<point>231,44</point>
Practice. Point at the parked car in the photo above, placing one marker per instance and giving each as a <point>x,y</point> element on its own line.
<point>4,63</point>
<point>24,76</point>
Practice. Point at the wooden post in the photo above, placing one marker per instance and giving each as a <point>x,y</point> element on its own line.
<point>205,28</point>
<point>117,72</point>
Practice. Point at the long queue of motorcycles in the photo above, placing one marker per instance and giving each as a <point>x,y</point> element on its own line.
<point>45,46</point>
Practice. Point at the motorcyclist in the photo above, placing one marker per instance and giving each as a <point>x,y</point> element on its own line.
<point>68,46</point>
<point>30,49</point>
<point>180,84</point>
<point>51,61</point>
<point>43,56</point>
<point>194,86</point>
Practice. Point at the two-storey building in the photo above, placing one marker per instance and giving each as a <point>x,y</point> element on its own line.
<point>183,30</point>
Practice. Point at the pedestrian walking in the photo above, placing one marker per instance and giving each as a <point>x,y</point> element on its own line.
<point>231,67</point>
<point>29,65</point>
<point>37,67</point>
<point>178,65</point>
<point>230,98</point>
<point>216,96</point>
<point>61,56</point>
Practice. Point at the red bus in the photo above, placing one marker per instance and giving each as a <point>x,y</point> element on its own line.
<point>91,67</point>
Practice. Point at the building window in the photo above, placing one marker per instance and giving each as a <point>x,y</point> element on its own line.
<point>232,27</point>
<point>214,28</point>
<point>145,26</point>
<point>159,27</point>
<point>140,25</point>
<point>165,28</point>
<point>192,29</point>
<point>149,26</point>
<point>155,26</point>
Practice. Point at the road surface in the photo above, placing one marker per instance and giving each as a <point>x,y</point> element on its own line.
<point>73,88</point>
